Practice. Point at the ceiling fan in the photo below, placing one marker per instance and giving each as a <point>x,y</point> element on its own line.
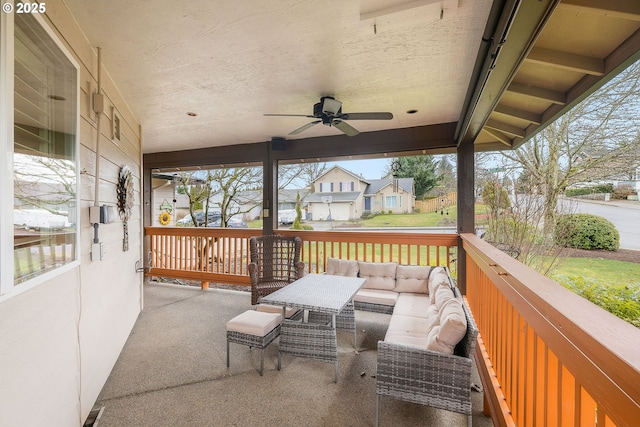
<point>329,112</point>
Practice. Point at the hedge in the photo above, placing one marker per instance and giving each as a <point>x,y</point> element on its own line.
<point>586,231</point>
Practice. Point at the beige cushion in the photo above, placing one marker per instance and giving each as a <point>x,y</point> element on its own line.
<point>407,330</point>
<point>435,344</point>
<point>433,317</point>
<point>412,278</point>
<point>375,296</point>
<point>342,267</point>
<point>438,276</point>
<point>453,323</point>
<point>253,322</point>
<point>442,295</point>
<point>379,275</point>
<point>268,308</point>
<point>412,305</point>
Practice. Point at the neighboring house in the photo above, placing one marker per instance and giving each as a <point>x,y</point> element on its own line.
<point>620,171</point>
<point>342,195</point>
<point>249,203</point>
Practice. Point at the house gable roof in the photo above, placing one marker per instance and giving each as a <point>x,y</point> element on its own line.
<point>376,185</point>
<point>359,178</point>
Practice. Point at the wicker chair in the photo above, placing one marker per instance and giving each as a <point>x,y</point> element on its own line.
<point>275,262</point>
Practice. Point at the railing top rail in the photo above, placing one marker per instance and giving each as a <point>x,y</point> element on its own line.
<point>386,237</point>
<point>585,336</point>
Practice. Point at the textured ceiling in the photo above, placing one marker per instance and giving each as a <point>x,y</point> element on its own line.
<point>231,62</point>
<point>500,69</point>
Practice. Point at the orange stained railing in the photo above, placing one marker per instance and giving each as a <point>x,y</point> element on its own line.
<point>221,254</point>
<point>378,246</point>
<point>199,253</point>
<point>546,356</point>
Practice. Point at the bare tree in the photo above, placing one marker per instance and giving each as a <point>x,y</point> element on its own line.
<point>229,183</point>
<point>593,141</point>
<point>302,174</point>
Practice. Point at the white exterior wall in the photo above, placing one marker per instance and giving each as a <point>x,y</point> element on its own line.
<point>61,338</point>
<point>336,176</point>
<point>407,200</point>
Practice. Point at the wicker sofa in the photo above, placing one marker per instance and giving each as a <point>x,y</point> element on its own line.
<point>426,355</point>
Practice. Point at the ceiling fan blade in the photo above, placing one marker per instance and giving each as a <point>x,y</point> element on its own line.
<point>289,115</point>
<point>366,116</point>
<point>305,127</point>
<point>345,127</point>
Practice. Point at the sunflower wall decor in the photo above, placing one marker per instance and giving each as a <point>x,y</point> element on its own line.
<point>125,201</point>
<point>165,218</point>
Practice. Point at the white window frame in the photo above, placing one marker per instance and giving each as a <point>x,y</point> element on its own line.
<point>347,186</point>
<point>7,287</point>
<point>398,201</point>
<point>326,187</point>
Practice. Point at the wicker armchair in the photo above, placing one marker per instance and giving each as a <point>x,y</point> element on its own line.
<point>275,262</point>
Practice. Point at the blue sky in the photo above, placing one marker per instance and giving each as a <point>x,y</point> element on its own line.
<point>371,168</point>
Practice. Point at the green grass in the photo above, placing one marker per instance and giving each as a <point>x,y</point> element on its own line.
<point>613,285</point>
<point>601,270</point>
<point>431,219</point>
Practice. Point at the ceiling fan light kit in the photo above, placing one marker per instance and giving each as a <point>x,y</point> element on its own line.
<point>329,112</point>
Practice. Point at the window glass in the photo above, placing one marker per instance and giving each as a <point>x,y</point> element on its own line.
<point>393,201</point>
<point>347,186</point>
<point>45,157</point>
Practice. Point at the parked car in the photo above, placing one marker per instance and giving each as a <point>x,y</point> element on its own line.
<point>36,219</point>
<point>286,216</point>
<point>187,221</point>
<point>232,223</point>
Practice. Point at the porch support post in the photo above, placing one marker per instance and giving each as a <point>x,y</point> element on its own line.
<point>466,206</point>
<point>270,191</point>
<point>147,212</point>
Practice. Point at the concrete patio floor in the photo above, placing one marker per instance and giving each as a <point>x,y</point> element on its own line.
<point>172,372</point>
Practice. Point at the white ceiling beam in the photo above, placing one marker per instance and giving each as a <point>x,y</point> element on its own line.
<point>518,114</point>
<point>624,9</point>
<point>567,61</point>
<point>505,128</point>
<point>552,96</point>
<point>397,8</point>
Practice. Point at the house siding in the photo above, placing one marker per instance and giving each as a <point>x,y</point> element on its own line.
<point>61,338</point>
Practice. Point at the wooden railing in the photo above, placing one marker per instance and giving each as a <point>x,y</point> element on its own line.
<point>546,356</point>
<point>35,253</point>
<point>403,248</point>
<point>199,253</point>
<point>221,255</point>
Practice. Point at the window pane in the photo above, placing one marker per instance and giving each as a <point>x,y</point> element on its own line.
<point>45,112</point>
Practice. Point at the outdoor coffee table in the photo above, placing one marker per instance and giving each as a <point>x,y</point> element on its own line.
<point>321,293</point>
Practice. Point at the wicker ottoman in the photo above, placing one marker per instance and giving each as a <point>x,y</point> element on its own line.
<point>255,329</point>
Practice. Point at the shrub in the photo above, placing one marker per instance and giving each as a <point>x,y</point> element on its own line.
<point>623,191</point>
<point>495,197</point>
<point>621,300</point>
<point>586,231</point>
<point>596,189</point>
<point>367,215</point>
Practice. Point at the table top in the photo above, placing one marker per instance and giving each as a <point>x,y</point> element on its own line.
<point>324,293</point>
